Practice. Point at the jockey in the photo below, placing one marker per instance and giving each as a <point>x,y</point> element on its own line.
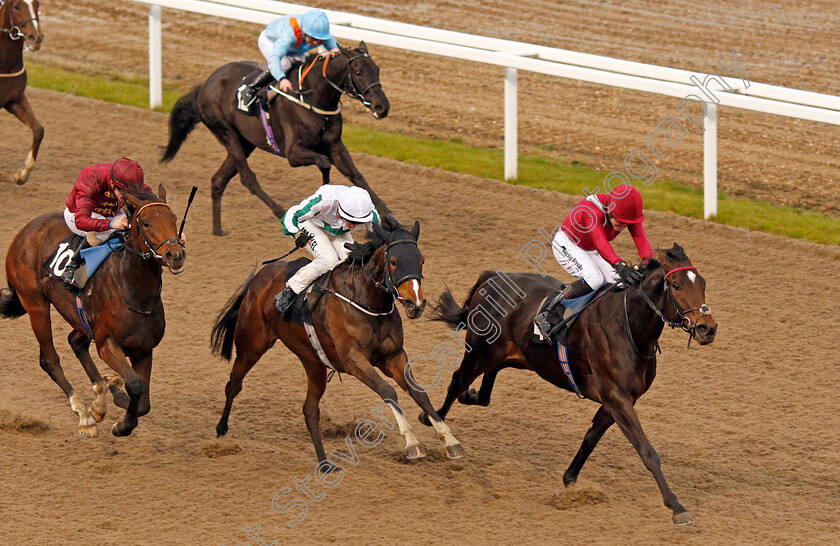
<point>323,223</point>
<point>94,206</point>
<point>283,42</point>
<point>582,246</point>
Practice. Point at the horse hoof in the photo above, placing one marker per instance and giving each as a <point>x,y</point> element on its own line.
<point>98,417</point>
<point>88,431</point>
<point>220,233</point>
<point>684,518</point>
<point>114,381</point>
<point>424,419</point>
<point>120,431</point>
<point>455,451</point>
<point>18,180</point>
<point>415,452</point>
<point>468,397</point>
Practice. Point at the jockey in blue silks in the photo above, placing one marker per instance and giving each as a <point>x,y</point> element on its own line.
<point>283,42</point>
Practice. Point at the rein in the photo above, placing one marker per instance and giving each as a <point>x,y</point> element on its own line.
<point>152,252</point>
<point>14,31</point>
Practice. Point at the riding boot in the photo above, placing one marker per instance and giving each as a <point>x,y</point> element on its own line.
<point>552,315</point>
<point>284,299</point>
<point>247,93</point>
<point>69,274</point>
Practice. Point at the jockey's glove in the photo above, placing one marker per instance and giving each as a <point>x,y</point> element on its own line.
<point>629,275</point>
<point>302,239</point>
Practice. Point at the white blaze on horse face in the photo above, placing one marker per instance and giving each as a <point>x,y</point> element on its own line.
<point>32,16</point>
<point>692,276</point>
<point>415,286</point>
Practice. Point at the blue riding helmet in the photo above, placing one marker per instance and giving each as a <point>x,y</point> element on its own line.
<point>316,24</point>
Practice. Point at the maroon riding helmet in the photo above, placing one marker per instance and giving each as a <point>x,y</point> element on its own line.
<point>626,205</point>
<point>126,172</point>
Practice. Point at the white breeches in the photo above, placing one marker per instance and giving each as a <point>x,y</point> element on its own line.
<point>327,251</point>
<point>70,220</point>
<point>583,264</point>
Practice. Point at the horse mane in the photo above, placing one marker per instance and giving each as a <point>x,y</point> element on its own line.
<point>141,193</point>
<point>363,251</point>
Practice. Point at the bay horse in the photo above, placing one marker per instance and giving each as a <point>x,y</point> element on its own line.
<point>303,136</point>
<point>19,26</point>
<point>611,348</point>
<point>357,336</point>
<point>122,304</point>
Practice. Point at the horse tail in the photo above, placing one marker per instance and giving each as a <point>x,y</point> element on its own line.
<point>221,338</point>
<point>182,121</point>
<point>447,309</point>
<point>10,305</point>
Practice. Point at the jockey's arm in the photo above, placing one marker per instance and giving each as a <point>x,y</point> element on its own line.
<point>641,241</point>
<point>298,214</point>
<point>604,248</point>
<point>331,45</point>
<point>85,203</point>
<point>281,48</point>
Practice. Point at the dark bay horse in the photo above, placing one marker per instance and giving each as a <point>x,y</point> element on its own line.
<point>122,304</point>
<point>611,348</point>
<point>356,339</point>
<point>305,137</point>
<point>19,25</point>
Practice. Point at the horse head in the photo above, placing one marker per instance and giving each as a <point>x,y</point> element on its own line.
<point>402,264</point>
<point>24,23</point>
<point>687,291</point>
<point>360,80</point>
<point>153,232</point>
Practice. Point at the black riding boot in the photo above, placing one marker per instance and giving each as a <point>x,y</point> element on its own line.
<point>284,299</point>
<point>68,275</point>
<point>546,320</point>
<point>247,92</point>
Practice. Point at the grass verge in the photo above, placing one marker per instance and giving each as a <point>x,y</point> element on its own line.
<point>557,175</point>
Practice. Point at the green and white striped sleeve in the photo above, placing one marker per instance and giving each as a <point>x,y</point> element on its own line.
<point>300,213</point>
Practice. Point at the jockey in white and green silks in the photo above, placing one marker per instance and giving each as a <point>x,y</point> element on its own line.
<point>323,223</point>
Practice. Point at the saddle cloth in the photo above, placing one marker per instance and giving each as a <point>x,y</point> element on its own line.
<point>574,307</point>
<point>301,309</point>
<point>93,257</point>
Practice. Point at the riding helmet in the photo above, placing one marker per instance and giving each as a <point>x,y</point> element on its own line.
<point>626,204</point>
<point>354,205</point>
<point>126,172</point>
<point>316,25</point>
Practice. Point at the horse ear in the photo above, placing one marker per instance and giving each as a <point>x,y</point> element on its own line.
<point>380,232</point>
<point>162,193</point>
<point>363,46</point>
<point>415,230</point>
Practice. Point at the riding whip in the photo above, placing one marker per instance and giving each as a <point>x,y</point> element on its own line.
<point>281,257</point>
<point>189,202</point>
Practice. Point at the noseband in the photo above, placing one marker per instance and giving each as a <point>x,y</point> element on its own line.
<point>153,251</point>
<point>15,32</point>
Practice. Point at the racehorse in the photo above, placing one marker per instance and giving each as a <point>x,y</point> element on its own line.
<point>611,347</point>
<point>19,25</point>
<point>357,335</point>
<point>303,135</point>
<point>122,309</point>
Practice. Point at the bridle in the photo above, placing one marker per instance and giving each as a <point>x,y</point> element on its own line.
<point>14,32</point>
<point>388,284</point>
<point>685,323</point>
<point>354,92</point>
<point>152,251</point>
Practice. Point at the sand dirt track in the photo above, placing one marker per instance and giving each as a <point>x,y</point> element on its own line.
<point>746,428</point>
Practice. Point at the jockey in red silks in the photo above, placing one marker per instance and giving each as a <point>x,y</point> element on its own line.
<point>94,206</point>
<point>582,246</point>
<point>284,42</point>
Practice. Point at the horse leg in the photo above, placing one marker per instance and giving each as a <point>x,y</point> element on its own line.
<point>245,360</point>
<point>238,152</point>
<point>600,423</point>
<point>471,397</point>
<point>111,353</point>
<point>23,111</point>
<point>325,176</point>
<point>316,384</point>
<point>39,317</point>
<point>360,368</point>
<point>396,370</point>
<point>621,409</point>
<point>80,344</point>
<point>219,182</point>
<point>340,157</point>
<point>461,380</point>
<point>143,367</point>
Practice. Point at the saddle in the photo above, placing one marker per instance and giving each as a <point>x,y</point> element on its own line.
<point>300,312</point>
<point>574,308</point>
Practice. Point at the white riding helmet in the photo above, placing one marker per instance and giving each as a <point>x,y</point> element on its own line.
<point>355,205</point>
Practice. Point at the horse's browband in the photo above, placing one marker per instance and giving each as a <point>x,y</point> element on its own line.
<point>137,214</point>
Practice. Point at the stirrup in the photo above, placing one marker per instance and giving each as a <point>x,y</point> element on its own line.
<point>240,98</point>
<point>542,324</point>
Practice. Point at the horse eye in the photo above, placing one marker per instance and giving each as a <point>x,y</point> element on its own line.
<point>358,73</point>
<point>394,262</point>
<point>145,223</point>
<point>677,286</point>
